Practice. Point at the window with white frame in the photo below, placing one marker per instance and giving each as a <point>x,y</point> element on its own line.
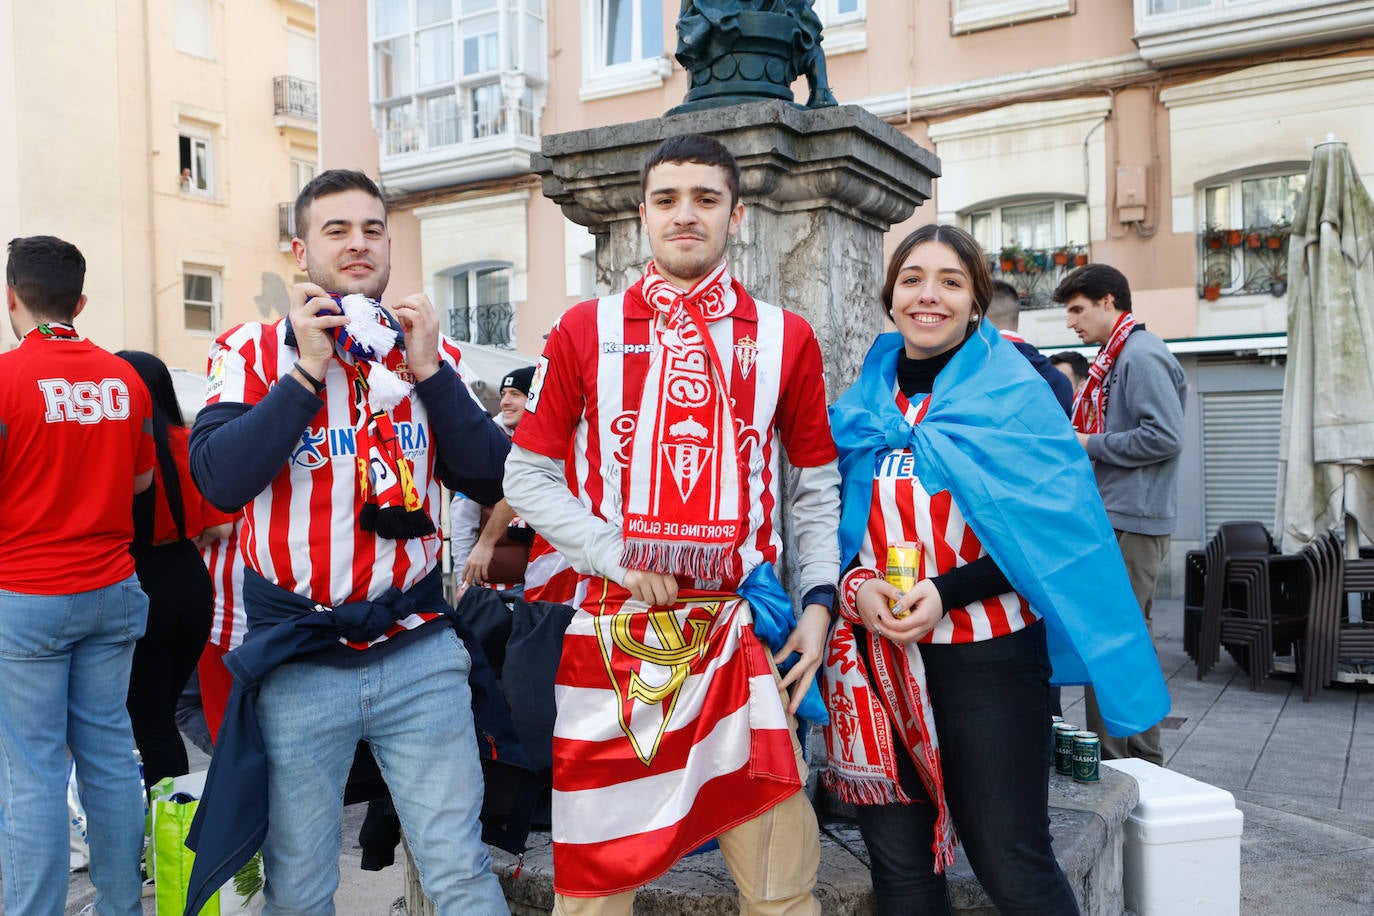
<point>1244,232</point>
<point>622,47</point>
<point>1030,244</point>
<point>479,306</point>
<point>303,172</point>
<point>200,297</point>
<point>844,25</point>
<point>973,15</point>
<point>196,163</point>
<point>446,72</point>
<point>192,27</point>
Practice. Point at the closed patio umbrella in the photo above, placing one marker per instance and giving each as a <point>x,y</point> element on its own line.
<point>1326,458</point>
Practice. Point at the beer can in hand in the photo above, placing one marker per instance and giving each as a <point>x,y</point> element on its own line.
<point>1063,748</point>
<point>1087,757</point>
<point>903,568</point>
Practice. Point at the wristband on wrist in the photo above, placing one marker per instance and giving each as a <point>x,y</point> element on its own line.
<point>315,383</point>
<point>852,582</point>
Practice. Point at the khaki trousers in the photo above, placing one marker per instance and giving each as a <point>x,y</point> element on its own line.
<point>1144,555</point>
<point>773,859</point>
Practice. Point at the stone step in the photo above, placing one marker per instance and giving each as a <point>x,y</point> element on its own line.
<point>1085,821</point>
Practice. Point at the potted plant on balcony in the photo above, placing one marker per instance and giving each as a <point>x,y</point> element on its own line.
<point>1062,255</point>
<point>1080,256</point>
<point>1234,237</point>
<point>1278,233</point>
<point>1013,257</point>
<point>1254,237</point>
<point>1278,284</point>
<point>1214,237</point>
<point>1212,280</point>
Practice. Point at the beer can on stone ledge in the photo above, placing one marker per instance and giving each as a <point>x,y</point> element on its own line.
<point>1087,757</point>
<point>1063,748</point>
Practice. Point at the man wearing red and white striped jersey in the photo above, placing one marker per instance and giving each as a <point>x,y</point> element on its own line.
<point>332,431</point>
<point>227,625</point>
<point>676,397</point>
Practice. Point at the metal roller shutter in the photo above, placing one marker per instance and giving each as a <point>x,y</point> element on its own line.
<point>1240,455</point>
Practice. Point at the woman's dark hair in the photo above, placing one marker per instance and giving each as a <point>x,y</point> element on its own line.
<point>971,256</point>
<point>158,380</point>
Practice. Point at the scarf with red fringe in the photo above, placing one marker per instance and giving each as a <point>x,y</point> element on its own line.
<point>1090,405</point>
<point>864,707</point>
<point>683,489</point>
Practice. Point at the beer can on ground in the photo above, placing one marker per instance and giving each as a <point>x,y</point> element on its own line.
<point>1063,747</point>
<point>903,567</point>
<point>1087,757</point>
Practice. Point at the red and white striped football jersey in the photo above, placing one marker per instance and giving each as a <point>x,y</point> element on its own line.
<point>903,511</point>
<point>588,388</point>
<point>302,531</point>
<point>227,623</point>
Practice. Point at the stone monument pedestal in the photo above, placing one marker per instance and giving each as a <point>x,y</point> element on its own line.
<point>820,187</point>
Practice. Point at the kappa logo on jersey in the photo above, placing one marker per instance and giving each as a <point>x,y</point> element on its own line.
<point>614,346</point>
<point>84,402</point>
<point>320,445</point>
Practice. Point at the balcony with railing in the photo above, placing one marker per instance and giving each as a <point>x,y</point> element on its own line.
<point>295,102</point>
<point>286,225</point>
<point>1244,262</point>
<point>491,324</point>
<point>1035,272</point>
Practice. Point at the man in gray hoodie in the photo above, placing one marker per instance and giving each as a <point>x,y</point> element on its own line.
<point>1129,417</point>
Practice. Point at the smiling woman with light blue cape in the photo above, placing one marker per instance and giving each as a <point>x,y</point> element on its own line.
<point>995,437</point>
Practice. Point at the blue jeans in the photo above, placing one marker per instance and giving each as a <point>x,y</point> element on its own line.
<point>64,677</point>
<point>414,707</point>
<point>990,701</point>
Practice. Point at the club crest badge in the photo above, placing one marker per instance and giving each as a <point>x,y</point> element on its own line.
<point>746,354</point>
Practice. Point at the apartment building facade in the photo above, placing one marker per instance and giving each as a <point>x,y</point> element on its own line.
<point>163,138</point>
<point>1169,138</point>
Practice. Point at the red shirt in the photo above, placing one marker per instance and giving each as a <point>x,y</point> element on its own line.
<point>590,380</point>
<point>75,430</point>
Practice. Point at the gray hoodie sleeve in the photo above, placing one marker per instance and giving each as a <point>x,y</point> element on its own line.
<point>1144,423</point>
<point>816,525</point>
<point>538,492</point>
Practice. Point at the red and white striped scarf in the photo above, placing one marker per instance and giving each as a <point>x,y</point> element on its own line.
<point>864,706</point>
<point>1090,404</point>
<point>683,489</point>
<point>861,751</point>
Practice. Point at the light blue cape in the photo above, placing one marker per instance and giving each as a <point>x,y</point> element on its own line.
<point>995,437</point>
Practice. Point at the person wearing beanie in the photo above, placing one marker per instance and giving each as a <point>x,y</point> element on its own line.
<point>491,544</point>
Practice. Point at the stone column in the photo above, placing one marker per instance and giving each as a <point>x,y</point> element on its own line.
<point>820,189</point>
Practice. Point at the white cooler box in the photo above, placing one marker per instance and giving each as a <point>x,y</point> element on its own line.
<point>1182,845</point>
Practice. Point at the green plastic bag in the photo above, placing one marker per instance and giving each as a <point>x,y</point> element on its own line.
<point>173,803</point>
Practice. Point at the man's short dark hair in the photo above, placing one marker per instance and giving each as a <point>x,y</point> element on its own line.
<point>1004,309</point>
<point>47,275</point>
<point>1095,281</point>
<point>697,148</point>
<point>1077,363</point>
<point>333,181</point>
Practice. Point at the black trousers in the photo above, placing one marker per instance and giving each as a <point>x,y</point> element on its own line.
<point>991,703</point>
<point>180,603</point>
